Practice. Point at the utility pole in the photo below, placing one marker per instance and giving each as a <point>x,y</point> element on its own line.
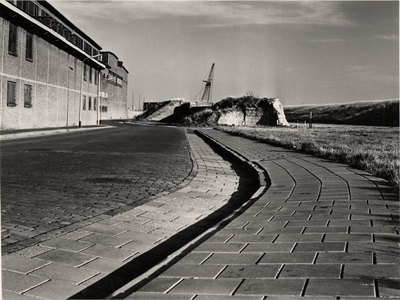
<point>133,100</point>
<point>69,68</point>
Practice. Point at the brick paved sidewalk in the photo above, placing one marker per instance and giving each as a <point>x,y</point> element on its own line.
<point>105,253</point>
<point>321,231</point>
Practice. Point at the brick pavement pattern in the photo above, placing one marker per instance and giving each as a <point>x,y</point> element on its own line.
<point>58,184</point>
<point>82,262</point>
<point>322,230</point>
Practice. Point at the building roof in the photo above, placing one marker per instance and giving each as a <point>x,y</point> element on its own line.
<point>67,22</point>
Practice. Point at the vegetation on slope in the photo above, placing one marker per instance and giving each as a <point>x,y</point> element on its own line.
<point>373,149</point>
<point>374,113</point>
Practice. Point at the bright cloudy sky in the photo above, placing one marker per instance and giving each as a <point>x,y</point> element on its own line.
<point>299,51</point>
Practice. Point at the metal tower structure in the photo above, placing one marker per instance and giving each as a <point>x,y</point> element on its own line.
<point>207,94</point>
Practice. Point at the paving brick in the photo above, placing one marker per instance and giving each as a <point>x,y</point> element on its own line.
<point>325,247</point>
<point>194,258</point>
<point>55,290</point>
<point>67,244</point>
<point>284,238</point>
<point>338,257</point>
<point>99,228</point>
<point>287,258</point>
<point>290,287</point>
<point>310,271</point>
<point>15,296</point>
<point>160,296</point>
<point>159,285</point>
<point>281,230</point>
<point>250,271</point>
<point>219,238</point>
<point>326,229</point>
<point>340,287</point>
<point>17,282</point>
<point>21,264</point>
<point>374,271</point>
<point>64,272</point>
<point>193,271</point>
<point>268,247</point>
<point>220,247</point>
<point>109,252</point>
<point>266,238</point>
<point>348,237</point>
<point>103,265</point>
<point>106,240</point>
<point>233,258</point>
<point>382,258</point>
<point>389,288</point>
<point>207,286</point>
<point>66,257</point>
<point>379,247</point>
<point>221,297</point>
<point>317,223</point>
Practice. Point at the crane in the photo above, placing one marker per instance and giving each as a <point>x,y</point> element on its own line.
<point>207,89</point>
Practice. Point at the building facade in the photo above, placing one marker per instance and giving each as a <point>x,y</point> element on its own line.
<point>114,88</point>
<point>50,70</point>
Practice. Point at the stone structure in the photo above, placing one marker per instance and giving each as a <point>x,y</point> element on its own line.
<point>278,109</point>
<point>269,112</point>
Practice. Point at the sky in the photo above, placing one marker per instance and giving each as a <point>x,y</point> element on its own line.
<point>302,52</point>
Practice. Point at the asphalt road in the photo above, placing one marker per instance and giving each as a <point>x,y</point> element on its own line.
<point>50,182</point>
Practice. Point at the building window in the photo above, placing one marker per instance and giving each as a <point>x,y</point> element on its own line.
<point>29,46</point>
<point>78,42</point>
<point>28,95</point>
<point>11,93</point>
<point>12,39</point>
<point>90,74</point>
<point>84,72</point>
<point>94,103</point>
<point>96,77</point>
<point>90,103</point>
<point>88,49</point>
<point>84,102</point>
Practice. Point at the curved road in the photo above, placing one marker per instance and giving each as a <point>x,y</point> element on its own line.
<point>55,181</point>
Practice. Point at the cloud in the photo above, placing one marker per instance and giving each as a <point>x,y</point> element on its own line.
<point>210,13</point>
<point>391,37</point>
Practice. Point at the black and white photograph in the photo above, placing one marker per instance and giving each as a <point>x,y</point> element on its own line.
<point>199,149</point>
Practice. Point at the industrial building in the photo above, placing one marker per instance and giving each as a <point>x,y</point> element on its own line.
<point>52,74</point>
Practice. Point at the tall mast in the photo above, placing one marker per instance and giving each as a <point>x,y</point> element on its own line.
<point>208,87</point>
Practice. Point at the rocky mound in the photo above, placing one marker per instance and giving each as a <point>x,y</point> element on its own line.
<point>243,111</point>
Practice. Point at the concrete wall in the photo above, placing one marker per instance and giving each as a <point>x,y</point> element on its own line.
<point>55,87</point>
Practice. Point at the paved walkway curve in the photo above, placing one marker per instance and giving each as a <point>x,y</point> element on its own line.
<point>322,230</point>
<point>94,259</point>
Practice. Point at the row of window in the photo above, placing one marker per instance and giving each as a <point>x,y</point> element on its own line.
<point>89,103</point>
<point>89,71</point>
<point>13,42</point>
<point>12,97</point>
<point>38,13</point>
<point>13,50</point>
<point>12,94</point>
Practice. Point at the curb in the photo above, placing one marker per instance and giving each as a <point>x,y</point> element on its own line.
<point>173,258</point>
<point>27,134</point>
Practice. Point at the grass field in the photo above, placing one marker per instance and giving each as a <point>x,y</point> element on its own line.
<point>370,148</point>
<point>371,113</point>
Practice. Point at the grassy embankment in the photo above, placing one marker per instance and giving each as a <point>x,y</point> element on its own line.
<point>373,149</point>
<point>372,113</point>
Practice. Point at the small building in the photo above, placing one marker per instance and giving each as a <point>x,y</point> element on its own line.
<point>51,71</point>
<point>114,88</point>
